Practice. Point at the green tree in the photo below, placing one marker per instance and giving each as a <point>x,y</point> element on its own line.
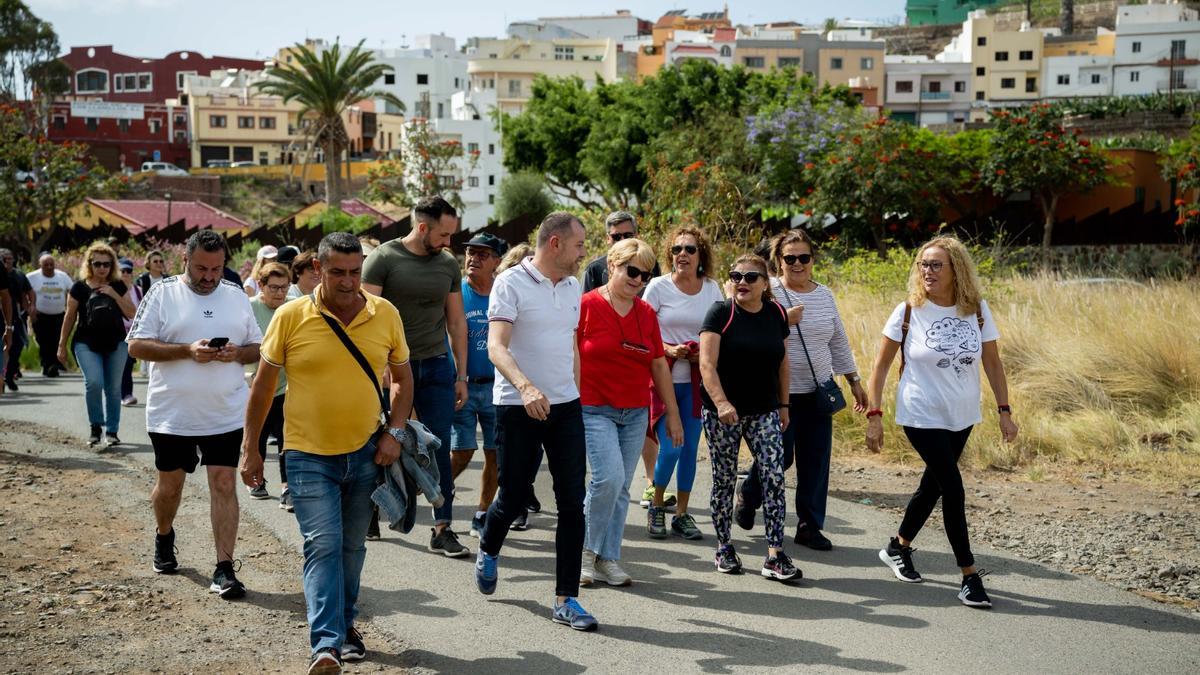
<point>428,165</point>
<point>29,65</point>
<point>1030,150</point>
<point>325,85</point>
<point>523,194</point>
<point>1181,165</point>
<point>334,219</point>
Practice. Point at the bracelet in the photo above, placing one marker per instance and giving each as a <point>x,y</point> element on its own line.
<point>874,413</point>
<point>1004,409</point>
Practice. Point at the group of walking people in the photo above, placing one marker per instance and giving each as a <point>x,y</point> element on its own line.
<point>399,352</point>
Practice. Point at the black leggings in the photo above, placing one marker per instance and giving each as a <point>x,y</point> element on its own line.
<point>274,425</point>
<point>940,449</point>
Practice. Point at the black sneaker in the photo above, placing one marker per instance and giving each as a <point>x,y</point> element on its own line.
<point>11,384</point>
<point>446,543</point>
<point>353,648</point>
<point>899,558</point>
<point>225,584</point>
<point>110,440</point>
<point>325,662</point>
<point>94,438</point>
<point>972,593</point>
<point>743,515</point>
<point>521,523</point>
<point>164,553</point>
<point>373,527</point>
<point>285,501</point>
<point>812,538</point>
<point>780,567</point>
<point>534,506</point>
<point>728,561</point>
<point>260,491</point>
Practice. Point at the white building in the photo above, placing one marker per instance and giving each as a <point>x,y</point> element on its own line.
<point>510,66</point>
<point>424,77</point>
<point>1077,76</point>
<point>924,92</point>
<point>616,27</point>
<point>1158,49</point>
<point>717,47</point>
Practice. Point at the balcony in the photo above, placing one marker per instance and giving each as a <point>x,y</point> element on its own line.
<point>935,96</point>
<point>1180,85</point>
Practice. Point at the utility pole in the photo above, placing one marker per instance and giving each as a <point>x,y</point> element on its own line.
<point>168,196</point>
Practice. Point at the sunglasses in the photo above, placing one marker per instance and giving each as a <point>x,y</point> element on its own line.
<point>677,249</point>
<point>804,259</point>
<point>101,263</point>
<point>635,273</point>
<point>750,277</point>
<point>618,236</point>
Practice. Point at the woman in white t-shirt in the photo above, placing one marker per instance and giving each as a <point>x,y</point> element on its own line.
<point>944,331</point>
<point>680,300</point>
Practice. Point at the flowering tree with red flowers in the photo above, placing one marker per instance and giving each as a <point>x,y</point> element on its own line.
<point>428,165</point>
<point>1030,150</point>
<point>1182,166</point>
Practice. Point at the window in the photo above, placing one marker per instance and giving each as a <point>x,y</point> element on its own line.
<point>1064,79</point>
<point>935,87</point>
<point>92,123</point>
<point>1095,78</point>
<point>904,86</point>
<point>979,71</point>
<point>491,180</point>
<point>446,181</point>
<point>266,123</point>
<point>145,82</point>
<point>788,62</point>
<point>754,61</point>
<point>181,77</point>
<point>1178,49</point>
<point>491,199</point>
<point>835,63</point>
<point>389,78</point>
<point>123,126</point>
<point>1026,55</point>
<point>245,122</point>
<point>456,83</point>
<point>180,120</point>
<point>725,52</point>
<point>981,42</point>
<point>422,78</point>
<point>216,121</point>
<point>1008,83</point>
<point>1031,85</point>
<point>1137,47</point>
<point>1177,80</point>
<point>60,122</point>
<point>562,53</point>
<point>473,181</point>
<point>180,136</point>
<point>979,96</point>
<point>491,148</point>
<point>1001,56</point>
<point>1135,76</point>
<point>91,81</point>
<point>514,88</point>
<point>866,63</point>
<point>441,110</point>
<point>960,87</point>
<point>473,148</point>
<point>155,125</point>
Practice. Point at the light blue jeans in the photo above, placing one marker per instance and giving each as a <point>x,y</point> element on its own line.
<point>332,498</point>
<point>102,384</point>
<point>614,446</point>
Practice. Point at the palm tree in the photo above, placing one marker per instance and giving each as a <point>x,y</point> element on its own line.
<point>325,85</point>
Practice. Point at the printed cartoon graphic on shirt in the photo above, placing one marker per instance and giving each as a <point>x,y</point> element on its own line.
<point>956,339</point>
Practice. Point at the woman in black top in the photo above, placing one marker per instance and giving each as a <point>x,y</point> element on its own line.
<point>745,378</point>
<point>96,307</point>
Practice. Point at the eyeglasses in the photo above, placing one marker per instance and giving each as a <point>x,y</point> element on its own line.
<point>277,289</point>
<point>101,263</point>
<point>677,249</point>
<point>618,236</point>
<point>935,266</point>
<point>750,277</point>
<point>635,273</point>
<point>804,259</point>
<point>479,253</point>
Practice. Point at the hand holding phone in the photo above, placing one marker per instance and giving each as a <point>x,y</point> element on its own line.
<point>217,342</point>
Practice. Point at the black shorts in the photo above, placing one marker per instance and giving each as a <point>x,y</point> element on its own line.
<point>172,452</point>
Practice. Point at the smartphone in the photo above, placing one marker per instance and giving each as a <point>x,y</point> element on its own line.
<point>218,342</point>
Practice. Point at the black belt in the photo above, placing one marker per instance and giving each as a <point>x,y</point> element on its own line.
<point>481,380</point>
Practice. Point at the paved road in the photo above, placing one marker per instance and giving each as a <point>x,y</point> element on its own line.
<point>849,613</point>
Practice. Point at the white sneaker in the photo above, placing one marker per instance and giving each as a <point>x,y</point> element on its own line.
<point>611,573</point>
<point>587,572</point>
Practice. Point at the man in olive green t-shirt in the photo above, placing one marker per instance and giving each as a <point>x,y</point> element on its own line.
<point>422,279</point>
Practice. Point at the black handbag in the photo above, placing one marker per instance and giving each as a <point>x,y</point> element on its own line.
<point>829,395</point>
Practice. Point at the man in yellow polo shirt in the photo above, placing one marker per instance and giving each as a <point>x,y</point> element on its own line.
<point>332,415</point>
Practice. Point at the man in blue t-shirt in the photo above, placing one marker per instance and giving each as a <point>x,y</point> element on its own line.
<point>484,252</point>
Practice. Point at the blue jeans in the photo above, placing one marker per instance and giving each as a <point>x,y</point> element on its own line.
<point>433,399</point>
<point>332,497</point>
<point>102,384</point>
<point>480,410</point>
<point>684,456</point>
<point>614,446</point>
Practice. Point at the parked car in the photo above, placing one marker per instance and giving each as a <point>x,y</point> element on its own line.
<point>163,169</point>
<point>218,164</point>
<point>243,165</point>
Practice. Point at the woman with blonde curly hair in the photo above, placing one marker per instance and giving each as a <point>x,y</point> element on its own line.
<point>943,331</point>
<point>96,308</point>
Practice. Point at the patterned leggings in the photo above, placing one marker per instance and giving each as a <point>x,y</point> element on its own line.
<point>763,435</point>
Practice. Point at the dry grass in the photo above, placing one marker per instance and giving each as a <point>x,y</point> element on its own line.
<point>1105,377</point>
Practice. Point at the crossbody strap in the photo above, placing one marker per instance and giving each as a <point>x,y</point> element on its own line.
<point>800,335</point>
<point>904,335</point>
<point>384,408</point>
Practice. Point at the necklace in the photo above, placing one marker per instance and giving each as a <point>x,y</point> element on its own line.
<point>639,346</point>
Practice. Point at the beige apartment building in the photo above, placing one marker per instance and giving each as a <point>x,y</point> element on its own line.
<point>855,64</point>
<point>1007,63</point>
<point>509,66</point>
<point>761,56</point>
<point>231,121</point>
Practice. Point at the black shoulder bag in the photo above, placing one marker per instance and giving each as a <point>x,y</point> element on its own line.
<point>384,407</point>
<point>829,395</point>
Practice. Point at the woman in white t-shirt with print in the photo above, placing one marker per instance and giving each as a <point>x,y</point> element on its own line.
<point>944,332</point>
<point>680,299</point>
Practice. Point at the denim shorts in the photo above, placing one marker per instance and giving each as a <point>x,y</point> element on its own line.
<point>477,410</point>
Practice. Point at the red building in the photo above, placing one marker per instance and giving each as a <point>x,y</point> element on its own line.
<point>117,104</point>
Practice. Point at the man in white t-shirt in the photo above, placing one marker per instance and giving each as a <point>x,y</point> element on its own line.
<point>199,331</point>
<point>50,288</point>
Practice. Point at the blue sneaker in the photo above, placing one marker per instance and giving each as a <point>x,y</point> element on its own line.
<point>570,613</point>
<point>485,572</point>
<point>477,525</point>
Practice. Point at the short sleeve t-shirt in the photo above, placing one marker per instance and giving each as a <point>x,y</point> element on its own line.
<point>680,316</point>
<point>475,306</point>
<point>50,292</point>
<point>186,398</point>
<point>262,316</point>
<point>86,334</point>
<point>417,285</point>
<point>615,352</point>
<point>940,387</point>
<point>751,350</point>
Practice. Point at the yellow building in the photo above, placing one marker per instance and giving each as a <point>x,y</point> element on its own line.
<point>761,56</point>
<point>1101,43</point>
<point>230,121</point>
<point>509,66</point>
<point>858,64</point>
<point>1007,65</point>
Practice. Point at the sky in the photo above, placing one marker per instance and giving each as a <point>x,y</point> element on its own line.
<point>256,28</point>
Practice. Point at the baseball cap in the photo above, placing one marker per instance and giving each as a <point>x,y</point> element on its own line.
<point>267,252</point>
<point>486,240</point>
<point>287,254</point>
<point>125,264</point>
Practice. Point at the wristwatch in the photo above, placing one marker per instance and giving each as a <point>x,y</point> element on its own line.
<point>399,433</point>
<point>853,378</point>
<point>463,378</point>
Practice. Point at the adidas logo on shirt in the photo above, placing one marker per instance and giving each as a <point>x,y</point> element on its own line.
<point>208,314</point>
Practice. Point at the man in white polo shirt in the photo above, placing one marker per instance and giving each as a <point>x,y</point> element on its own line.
<point>532,315</point>
<point>199,331</point>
